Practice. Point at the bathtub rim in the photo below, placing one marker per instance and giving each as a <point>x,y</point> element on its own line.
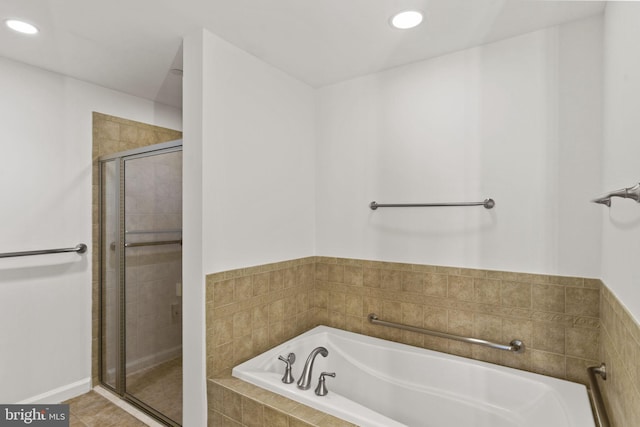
<point>532,376</point>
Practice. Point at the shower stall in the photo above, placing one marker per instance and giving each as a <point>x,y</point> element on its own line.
<point>141,278</point>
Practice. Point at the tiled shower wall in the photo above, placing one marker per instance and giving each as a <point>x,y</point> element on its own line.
<point>558,318</point>
<point>111,135</point>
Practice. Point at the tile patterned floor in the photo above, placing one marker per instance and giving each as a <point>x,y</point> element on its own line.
<point>93,410</point>
<point>160,387</point>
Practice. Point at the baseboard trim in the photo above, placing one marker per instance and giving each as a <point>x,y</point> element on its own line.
<point>60,394</point>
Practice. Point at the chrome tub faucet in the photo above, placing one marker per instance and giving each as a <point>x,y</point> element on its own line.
<point>304,382</point>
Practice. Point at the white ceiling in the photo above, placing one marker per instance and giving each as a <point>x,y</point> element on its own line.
<point>131,45</point>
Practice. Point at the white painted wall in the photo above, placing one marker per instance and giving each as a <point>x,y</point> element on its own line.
<point>194,388</point>
<point>248,193</point>
<point>258,161</point>
<point>45,183</point>
<point>517,120</point>
<point>621,222</point>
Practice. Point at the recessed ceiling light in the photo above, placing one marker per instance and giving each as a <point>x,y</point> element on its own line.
<point>407,19</point>
<point>21,26</point>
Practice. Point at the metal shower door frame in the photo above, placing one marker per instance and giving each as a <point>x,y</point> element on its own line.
<point>120,158</point>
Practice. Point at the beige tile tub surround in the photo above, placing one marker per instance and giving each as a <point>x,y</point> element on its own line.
<point>233,402</point>
<point>253,309</point>
<point>558,318</point>
<point>620,350</point>
<point>111,135</point>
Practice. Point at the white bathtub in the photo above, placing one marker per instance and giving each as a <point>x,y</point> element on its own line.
<point>385,384</point>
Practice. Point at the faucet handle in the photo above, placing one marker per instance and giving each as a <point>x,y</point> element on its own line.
<point>288,377</point>
<point>321,390</point>
<point>291,357</point>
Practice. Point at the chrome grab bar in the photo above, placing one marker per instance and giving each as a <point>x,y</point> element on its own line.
<point>161,242</point>
<point>139,244</point>
<point>79,248</point>
<point>598,404</point>
<point>177,230</point>
<point>516,346</point>
<point>487,203</point>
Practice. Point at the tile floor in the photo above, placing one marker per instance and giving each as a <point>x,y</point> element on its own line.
<point>93,410</point>
<point>160,387</point>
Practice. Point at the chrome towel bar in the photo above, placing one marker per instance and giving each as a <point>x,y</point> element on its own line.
<point>487,203</point>
<point>156,243</point>
<point>79,248</point>
<point>161,242</point>
<point>177,230</point>
<point>598,403</point>
<point>516,346</point>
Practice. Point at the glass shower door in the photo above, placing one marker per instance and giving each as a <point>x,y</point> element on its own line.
<point>153,266</point>
<point>141,278</point>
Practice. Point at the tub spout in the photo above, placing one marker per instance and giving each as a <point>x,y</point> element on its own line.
<point>304,382</point>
